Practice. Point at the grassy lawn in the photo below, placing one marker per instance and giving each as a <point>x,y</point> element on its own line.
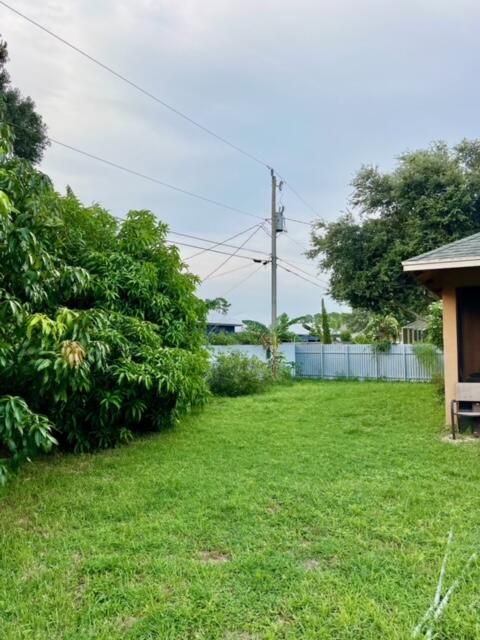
<point>315,511</point>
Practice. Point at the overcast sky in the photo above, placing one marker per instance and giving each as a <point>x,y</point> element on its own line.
<point>314,87</point>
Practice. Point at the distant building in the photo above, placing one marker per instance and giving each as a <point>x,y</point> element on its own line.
<point>306,337</point>
<point>218,323</point>
<point>416,331</point>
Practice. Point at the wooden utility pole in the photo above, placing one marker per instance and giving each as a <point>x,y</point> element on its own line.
<point>274,249</point>
<point>273,340</point>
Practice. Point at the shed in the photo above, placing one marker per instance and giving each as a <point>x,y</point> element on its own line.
<point>414,331</point>
<point>453,273</point>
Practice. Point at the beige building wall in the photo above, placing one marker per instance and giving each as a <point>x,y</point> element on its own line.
<point>449,296</point>
<point>445,282</point>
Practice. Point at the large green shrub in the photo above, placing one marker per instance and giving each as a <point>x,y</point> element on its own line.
<point>101,333</point>
<point>237,374</point>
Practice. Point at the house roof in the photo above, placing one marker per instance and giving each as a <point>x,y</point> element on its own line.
<point>461,253</point>
<point>220,319</point>
<point>418,324</point>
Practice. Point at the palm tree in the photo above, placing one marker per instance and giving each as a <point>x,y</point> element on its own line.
<point>313,324</point>
<point>281,331</point>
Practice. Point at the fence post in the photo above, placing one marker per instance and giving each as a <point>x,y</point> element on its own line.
<point>376,363</point>
<point>322,374</point>
<point>405,370</point>
<point>347,353</point>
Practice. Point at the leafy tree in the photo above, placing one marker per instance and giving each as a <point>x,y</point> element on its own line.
<point>432,197</point>
<point>383,331</point>
<point>30,132</point>
<point>101,333</point>
<point>357,321</point>
<point>326,334</point>
<point>346,336</point>
<point>218,304</point>
<point>338,320</point>
<point>435,324</point>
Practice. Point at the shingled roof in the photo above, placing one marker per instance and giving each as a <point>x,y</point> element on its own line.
<point>462,253</point>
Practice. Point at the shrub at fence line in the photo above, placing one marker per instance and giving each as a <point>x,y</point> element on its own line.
<point>238,374</point>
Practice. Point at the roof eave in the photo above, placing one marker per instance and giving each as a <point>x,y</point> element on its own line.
<point>424,265</point>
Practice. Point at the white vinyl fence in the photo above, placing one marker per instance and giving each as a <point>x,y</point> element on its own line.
<point>330,361</point>
<point>286,348</point>
<point>316,360</point>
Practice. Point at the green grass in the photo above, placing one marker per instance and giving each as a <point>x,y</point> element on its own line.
<point>319,510</point>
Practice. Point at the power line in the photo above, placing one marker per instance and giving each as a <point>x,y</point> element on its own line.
<point>244,266</point>
<point>265,228</point>
<point>235,286</point>
<point>299,267</point>
<point>138,174</point>
<point>232,255</point>
<point>302,277</point>
<point>199,197</point>
<point>225,253</point>
<point>136,86</point>
<point>214,243</point>
<point>217,203</point>
<point>192,194</point>
<point>302,199</point>
<point>308,224</point>
<point>160,101</point>
<point>308,273</point>
<point>292,239</point>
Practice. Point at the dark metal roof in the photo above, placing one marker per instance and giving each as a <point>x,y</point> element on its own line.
<point>220,319</point>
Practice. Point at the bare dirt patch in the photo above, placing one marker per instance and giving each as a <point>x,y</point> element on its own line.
<point>125,624</point>
<point>214,557</point>
<point>274,508</point>
<point>316,564</point>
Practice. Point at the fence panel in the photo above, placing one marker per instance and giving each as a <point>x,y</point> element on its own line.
<point>316,360</point>
<point>287,349</point>
<point>330,361</point>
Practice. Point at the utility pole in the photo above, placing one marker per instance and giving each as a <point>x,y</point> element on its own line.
<point>278,225</point>
<point>274,249</point>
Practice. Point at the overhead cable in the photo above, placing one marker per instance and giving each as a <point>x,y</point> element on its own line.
<point>232,255</point>
<point>160,101</point>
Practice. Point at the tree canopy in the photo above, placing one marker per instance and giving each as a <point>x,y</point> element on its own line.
<point>101,333</point>
<point>222,305</point>
<point>30,132</point>
<point>432,197</point>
